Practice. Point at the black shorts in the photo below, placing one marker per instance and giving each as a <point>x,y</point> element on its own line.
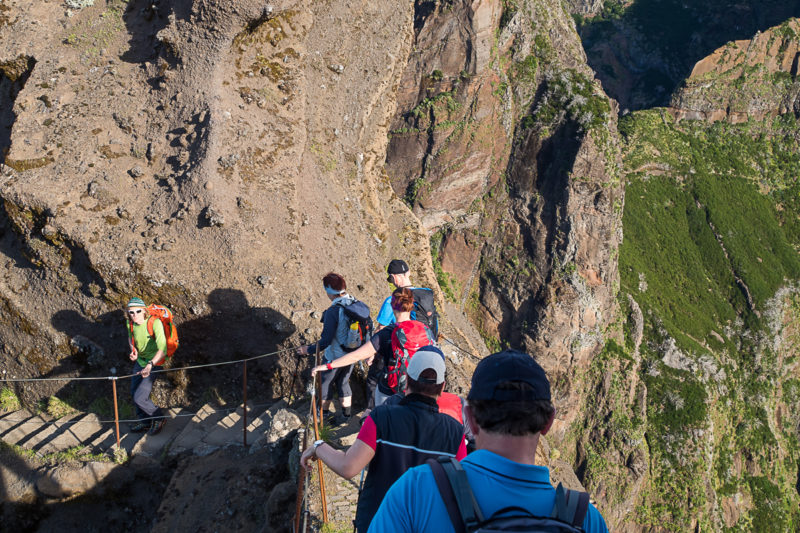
<point>337,380</point>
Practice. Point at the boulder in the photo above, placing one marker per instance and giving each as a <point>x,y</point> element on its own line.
<point>70,480</point>
<point>16,482</point>
<point>282,422</point>
<point>281,498</point>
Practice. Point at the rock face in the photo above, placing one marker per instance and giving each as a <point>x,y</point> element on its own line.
<point>643,50</point>
<point>200,155</point>
<point>745,80</point>
<point>507,153</point>
<point>585,7</point>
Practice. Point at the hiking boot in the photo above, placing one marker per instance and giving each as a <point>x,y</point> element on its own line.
<point>341,419</point>
<point>140,426</point>
<point>157,426</point>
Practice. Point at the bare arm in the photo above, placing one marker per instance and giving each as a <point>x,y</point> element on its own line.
<point>346,464</point>
<point>363,352</point>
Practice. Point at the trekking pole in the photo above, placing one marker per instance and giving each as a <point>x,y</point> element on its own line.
<point>316,435</point>
<point>302,474</point>
<point>116,410</point>
<point>244,406</point>
<point>306,512</point>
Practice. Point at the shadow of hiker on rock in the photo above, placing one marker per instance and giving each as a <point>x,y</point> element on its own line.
<point>229,329</point>
<point>234,330</point>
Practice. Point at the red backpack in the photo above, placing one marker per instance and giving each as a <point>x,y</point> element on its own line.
<point>159,312</point>
<point>407,338</point>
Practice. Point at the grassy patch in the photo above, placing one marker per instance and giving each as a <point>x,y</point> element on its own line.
<point>325,431</point>
<point>685,236</point>
<point>103,407</point>
<point>58,408</point>
<point>9,400</point>
<point>74,454</point>
<point>93,36</point>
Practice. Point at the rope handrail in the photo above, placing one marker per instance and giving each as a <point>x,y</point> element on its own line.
<point>190,367</point>
<point>68,422</point>
<point>160,371</point>
<point>457,347</point>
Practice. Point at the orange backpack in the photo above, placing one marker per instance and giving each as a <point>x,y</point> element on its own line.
<point>159,312</point>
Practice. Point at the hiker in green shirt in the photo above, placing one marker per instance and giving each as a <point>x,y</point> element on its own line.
<point>147,350</point>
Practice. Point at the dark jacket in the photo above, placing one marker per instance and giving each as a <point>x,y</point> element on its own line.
<point>407,434</point>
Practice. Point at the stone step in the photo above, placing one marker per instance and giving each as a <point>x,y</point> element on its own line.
<point>228,430</point>
<point>56,437</point>
<point>153,445</point>
<point>46,435</point>
<point>192,434</point>
<point>10,422</point>
<point>34,429</point>
<point>103,434</point>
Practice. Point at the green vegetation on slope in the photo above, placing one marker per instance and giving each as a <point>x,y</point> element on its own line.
<point>706,205</point>
<point>711,237</point>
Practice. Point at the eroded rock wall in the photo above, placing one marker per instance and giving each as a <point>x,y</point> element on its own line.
<point>217,157</point>
<point>507,151</point>
<point>745,79</point>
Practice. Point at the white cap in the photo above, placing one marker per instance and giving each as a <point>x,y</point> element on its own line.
<point>425,358</point>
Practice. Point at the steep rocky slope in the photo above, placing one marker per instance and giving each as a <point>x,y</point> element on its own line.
<point>747,79</point>
<point>506,149</point>
<point>642,50</point>
<point>213,157</point>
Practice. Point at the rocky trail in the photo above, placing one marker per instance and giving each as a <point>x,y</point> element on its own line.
<point>210,431</point>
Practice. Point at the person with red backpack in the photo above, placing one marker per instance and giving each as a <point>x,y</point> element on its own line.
<point>449,403</point>
<point>148,344</point>
<point>407,337</point>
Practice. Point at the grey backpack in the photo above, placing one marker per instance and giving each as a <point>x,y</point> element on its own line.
<point>568,513</point>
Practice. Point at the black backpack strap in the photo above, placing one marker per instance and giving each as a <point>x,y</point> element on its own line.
<point>469,513</point>
<point>446,491</point>
<point>571,506</point>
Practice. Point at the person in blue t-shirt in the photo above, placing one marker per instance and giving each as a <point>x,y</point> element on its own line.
<point>509,408</point>
<point>424,310</point>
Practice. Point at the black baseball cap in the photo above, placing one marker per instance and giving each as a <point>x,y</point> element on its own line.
<point>509,365</point>
<point>396,266</point>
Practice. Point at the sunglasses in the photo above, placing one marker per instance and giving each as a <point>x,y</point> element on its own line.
<point>135,312</point>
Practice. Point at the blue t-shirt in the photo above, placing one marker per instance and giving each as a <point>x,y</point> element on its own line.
<point>386,315</point>
<point>414,505</point>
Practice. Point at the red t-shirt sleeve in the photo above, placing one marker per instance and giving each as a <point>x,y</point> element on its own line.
<point>462,450</point>
<point>369,434</point>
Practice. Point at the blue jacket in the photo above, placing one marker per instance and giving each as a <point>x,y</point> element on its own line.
<point>414,505</point>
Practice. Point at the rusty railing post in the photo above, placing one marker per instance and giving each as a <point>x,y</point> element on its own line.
<point>302,474</point>
<point>244,406</point>
<point>316,435</point>
<point>116,410</point>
